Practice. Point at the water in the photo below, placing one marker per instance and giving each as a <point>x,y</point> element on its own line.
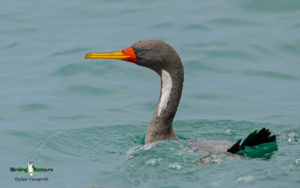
<point>87,119</point>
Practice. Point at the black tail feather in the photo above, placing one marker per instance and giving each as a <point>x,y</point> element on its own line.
<point>253,139</point>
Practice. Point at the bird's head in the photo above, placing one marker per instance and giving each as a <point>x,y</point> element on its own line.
<point>154,54</point>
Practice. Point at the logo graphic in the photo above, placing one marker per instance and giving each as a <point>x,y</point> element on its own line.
<point>31,169</point>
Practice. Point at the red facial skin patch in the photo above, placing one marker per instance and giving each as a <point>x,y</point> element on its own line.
<point>131,55</point>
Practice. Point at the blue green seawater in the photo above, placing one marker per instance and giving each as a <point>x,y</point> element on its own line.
<point>87,119</point>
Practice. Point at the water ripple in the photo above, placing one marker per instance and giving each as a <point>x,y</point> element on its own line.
<point>235,22</point>
<point>163,25</point>
<point>272,5</point>
<point>270,74</point>
<point>74,69</point>
<point>199,26</point>
<point>229,54</point>
<point>69,51</point>
<point>86,89</point>
<point>34,107</point>
<point>11,45</point>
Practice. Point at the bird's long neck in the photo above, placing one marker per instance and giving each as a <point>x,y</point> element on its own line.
<point>160,126</point>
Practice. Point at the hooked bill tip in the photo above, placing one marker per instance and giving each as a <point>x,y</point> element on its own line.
<point>86,56</point>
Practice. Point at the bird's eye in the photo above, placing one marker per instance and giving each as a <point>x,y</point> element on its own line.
<point>138,51</point>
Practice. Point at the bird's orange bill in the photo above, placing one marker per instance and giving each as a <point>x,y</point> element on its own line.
<point>126,55</point>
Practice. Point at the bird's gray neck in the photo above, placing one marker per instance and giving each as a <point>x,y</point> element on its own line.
<point>160,126</point>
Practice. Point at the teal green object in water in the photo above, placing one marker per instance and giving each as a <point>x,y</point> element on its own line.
<point>241,61</point>
<point>260,151</point>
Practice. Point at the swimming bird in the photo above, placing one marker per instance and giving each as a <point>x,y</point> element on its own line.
<point>165,61</point>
